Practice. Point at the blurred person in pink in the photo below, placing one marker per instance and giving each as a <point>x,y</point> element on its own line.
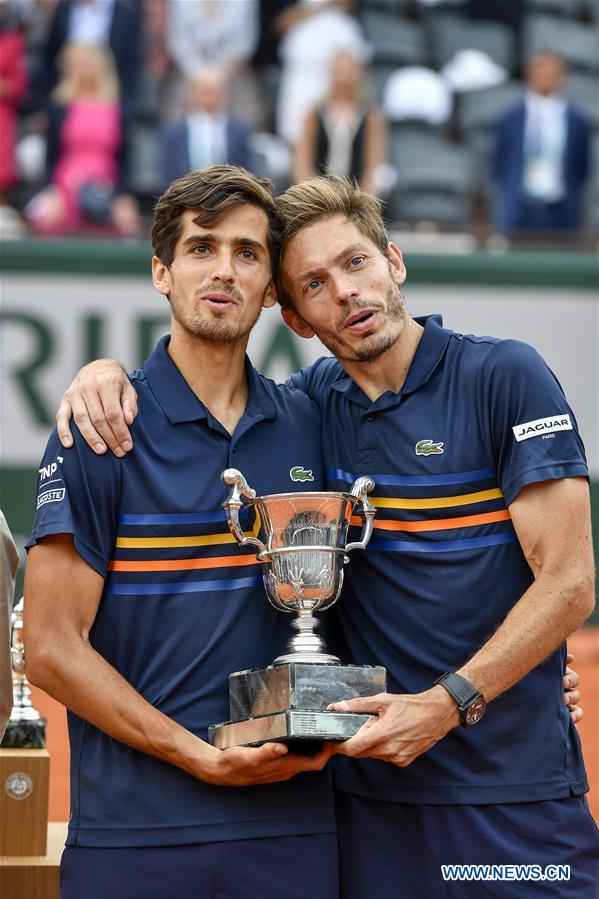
<point>86,157</point>
<point>347,134</point>
<point>13,84</point>
<point>117,24</point>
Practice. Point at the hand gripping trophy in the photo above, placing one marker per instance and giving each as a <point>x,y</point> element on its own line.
<point>301,539</point>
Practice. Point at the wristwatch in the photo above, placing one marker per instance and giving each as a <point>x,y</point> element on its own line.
<point>471,702</point>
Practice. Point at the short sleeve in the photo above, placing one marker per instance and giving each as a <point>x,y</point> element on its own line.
<point>532,432</point>
<point>78,493</point>
<point>316,379</point>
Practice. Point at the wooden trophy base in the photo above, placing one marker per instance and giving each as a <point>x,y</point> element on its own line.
<point>24,784</point>
<point>34,876</point>
<point>30,848</point>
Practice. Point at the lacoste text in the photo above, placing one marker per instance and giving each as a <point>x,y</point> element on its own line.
<point>50,496</point>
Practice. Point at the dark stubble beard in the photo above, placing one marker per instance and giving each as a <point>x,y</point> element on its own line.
<point>214,329</point>
<point>376,346</point>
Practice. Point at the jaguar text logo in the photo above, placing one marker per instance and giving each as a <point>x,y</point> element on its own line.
<point>542,426</point>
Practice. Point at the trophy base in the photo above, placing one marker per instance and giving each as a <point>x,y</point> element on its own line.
<point>300,684</point>
<point>304,729</point>
<point>25,734</point>
<point>288,703</point>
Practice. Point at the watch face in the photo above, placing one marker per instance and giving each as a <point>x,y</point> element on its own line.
<point>475,711</point>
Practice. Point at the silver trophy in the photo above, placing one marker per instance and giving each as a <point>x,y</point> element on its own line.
<point>302,540</point>
<point>26,728</point>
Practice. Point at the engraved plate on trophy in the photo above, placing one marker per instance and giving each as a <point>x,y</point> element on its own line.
<point>301,539</point>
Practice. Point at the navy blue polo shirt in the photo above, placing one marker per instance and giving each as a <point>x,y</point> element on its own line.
<point>183,605</point>
<point>476,420</point>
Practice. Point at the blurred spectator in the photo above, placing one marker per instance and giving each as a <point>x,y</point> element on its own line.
<point>113,23</point>
<point>207,134</point>
<point>540,156</point>
<point>86,157</point>
<point>13,84</point>
<point>312,32</point>
<point>346,134</point>
<point>221,33</point>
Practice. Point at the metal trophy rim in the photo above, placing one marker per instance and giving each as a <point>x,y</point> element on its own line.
<point>325,494</point>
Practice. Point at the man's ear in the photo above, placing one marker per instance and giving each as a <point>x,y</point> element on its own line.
<point>396,263</point>
<point>161,276</point>
<point>270,296</point>
<point>296,322</point>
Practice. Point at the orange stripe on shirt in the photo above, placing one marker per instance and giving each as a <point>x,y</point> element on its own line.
<point>439,524</point>
<point>182,564</point>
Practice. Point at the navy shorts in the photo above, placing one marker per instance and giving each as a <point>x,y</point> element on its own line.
<point>281,867</point>
<point>390,850</point>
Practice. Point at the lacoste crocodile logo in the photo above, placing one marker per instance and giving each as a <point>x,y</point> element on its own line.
<point>428,448</point>
<point>299,473</point>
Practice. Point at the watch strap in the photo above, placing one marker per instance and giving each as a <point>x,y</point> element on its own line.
<point>457,686</point>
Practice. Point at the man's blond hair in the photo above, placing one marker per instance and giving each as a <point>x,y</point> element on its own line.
<point>322,197</point>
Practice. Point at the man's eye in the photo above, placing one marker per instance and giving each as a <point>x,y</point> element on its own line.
<point>248,254</point>
<point>356,261</point>
<point>200,249</point>
<point>313,285</point>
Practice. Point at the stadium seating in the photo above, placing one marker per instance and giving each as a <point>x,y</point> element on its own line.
<point>395,39</point>
<point>451,32</point>
<point>575,41</point>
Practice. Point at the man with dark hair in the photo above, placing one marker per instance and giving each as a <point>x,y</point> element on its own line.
<point>479,568</point>
<point>139,605</point>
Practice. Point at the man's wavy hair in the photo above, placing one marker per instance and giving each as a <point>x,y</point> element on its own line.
<point>211,193</point>
<point>319,198</point>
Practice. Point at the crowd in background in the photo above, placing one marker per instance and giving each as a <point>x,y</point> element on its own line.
<point>469,115</point>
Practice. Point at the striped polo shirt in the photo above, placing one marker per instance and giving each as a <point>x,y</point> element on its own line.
<point>183,605</point>
<point>476,421</point>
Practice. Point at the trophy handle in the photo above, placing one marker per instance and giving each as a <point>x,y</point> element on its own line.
<point>366,511</point>
<point>239,488</point>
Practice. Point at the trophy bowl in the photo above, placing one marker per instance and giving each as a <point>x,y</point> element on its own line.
<point>301,538</point>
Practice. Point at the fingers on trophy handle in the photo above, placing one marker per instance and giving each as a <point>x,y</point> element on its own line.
<point>360,489</point>
<point>239,489</point>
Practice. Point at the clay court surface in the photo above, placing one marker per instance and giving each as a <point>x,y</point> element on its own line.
<point>584,644</point>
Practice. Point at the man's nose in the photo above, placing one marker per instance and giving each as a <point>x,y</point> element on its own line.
<point>223,269</point>
<point>344,289</point>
